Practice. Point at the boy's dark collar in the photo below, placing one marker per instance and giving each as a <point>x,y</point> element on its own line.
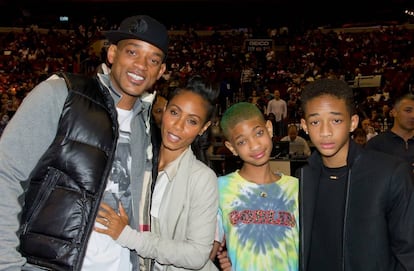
<point>353,151</point>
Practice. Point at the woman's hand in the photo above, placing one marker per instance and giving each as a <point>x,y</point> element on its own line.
<point>114,223</point>
<point>223,258</point>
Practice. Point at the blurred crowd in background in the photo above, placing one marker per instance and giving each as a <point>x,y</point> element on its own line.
<point>286,63</point>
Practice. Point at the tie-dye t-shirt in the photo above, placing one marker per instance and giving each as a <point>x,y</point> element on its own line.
<point>260,223</point>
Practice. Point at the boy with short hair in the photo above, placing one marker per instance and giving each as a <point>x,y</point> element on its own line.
<point>357,205</point>
<point>258,208</point>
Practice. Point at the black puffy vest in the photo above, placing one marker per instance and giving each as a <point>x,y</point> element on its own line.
<point>66,186</point>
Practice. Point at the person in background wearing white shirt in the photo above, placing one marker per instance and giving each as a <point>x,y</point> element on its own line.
<point>278,107</point>
<point>369,130</point>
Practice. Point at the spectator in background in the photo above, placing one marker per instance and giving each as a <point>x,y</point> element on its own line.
<point>369,130</point>
<point>254,97</point>
<point>398,141</point>
<point>247,77</point>
<point>298,146</point>
<point>158,107</point>
<point>267,95</point>
<point>228,90</point>
<point>376,121</point>
<point>278,107</point>
<point>360,136</point>
<point>293,106</point>
<point>262,102</point>
<point>157,110</point>
<point>387,117</point>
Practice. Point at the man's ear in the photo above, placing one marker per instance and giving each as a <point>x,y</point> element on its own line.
<point>303,125</point>
<point>354,122</point>
<point>162,70</point>
<point>111,53</point>
<point>230,147</point>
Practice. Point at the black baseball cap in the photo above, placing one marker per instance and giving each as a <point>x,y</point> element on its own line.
<point>141,27</point>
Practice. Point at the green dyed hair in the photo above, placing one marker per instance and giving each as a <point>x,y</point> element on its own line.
<point>237,113</point>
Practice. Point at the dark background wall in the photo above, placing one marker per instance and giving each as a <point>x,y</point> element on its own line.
<point>296,14</point>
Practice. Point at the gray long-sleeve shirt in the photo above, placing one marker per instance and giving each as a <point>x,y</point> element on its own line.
<point>25,139</point>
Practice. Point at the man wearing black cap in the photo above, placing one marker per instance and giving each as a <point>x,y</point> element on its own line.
<point>76,141</point>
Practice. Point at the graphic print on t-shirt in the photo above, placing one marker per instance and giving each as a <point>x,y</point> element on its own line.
<point>119,178</point>
<point>260,220</point>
